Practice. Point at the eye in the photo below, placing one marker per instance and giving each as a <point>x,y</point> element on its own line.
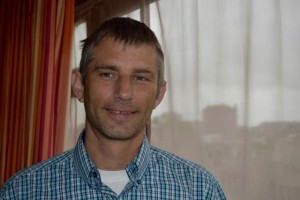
<point>107,75</point>
<point>140,78</point>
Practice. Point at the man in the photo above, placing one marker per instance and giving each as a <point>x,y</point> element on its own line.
<point>120,82</point>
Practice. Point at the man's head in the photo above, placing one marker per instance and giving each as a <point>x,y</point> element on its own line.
<point>120,79</point>
<point>124,30</point>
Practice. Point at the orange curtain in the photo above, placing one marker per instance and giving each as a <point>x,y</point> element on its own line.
<point>35,50</point>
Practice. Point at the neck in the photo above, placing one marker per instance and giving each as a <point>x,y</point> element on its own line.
<point>108,154</point>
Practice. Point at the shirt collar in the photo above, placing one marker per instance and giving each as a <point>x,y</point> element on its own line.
<point>138,166</point>
<point>86,169</point>
<point>82,162</point>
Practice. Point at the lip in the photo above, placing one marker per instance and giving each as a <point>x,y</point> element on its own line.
<point>120,114</point>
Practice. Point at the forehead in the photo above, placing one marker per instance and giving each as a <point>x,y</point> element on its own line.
<point>110,51</point>
<point>109,43</point>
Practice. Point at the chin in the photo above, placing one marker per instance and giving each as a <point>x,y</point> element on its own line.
<point>121,135</point>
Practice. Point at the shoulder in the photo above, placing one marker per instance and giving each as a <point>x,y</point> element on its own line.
<point>39,172</point>
<point>173,161</point>
<point>185,171</point>
<point>188,175</point>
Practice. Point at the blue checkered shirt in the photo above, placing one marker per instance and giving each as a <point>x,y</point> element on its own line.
<point>153,174</point>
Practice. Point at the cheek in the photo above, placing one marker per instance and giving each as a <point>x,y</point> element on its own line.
<point>93,101</point>
<point>97,91</point>
<point>148,100</point>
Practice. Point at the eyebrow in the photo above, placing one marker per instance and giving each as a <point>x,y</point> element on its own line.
<point>143,71</point>
<point>109,67</point>
<point>114,68</point>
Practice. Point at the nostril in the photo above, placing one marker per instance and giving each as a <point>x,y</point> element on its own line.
<point>123,100</point>
<point>124,89</point>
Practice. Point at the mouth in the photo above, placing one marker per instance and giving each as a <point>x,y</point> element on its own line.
<point>120,114</point>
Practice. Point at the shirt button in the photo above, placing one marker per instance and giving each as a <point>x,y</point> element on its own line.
<point>139,181</point>
<point>93,174</point>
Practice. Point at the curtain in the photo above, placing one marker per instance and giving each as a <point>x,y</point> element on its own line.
<point>76,111</point>
<point>232,103</point>
<point>35,50</point>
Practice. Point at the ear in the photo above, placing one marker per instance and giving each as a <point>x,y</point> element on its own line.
<point>160,94</point>
<point>77,85</point>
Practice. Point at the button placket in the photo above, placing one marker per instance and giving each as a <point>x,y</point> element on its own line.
<point>94,180</point>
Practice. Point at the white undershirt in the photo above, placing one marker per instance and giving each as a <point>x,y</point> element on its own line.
<point>116,180</point>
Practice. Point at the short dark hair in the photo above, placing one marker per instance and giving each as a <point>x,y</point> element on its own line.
<point>122,29</point>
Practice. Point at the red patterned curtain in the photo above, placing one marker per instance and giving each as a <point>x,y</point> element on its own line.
<point>35,51</point>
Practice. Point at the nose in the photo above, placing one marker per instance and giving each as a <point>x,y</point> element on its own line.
<point>123,90</point>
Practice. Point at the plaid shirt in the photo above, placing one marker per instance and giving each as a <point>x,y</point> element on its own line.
<point>153,174</point>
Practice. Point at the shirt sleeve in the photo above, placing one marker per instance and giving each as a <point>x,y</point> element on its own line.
<point>7,192</point>
<point>217,192</point>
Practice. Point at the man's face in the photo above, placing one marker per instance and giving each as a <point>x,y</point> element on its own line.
<point>121,90</point>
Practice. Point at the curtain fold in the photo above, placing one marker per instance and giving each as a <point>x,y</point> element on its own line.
<point>35,50</point>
